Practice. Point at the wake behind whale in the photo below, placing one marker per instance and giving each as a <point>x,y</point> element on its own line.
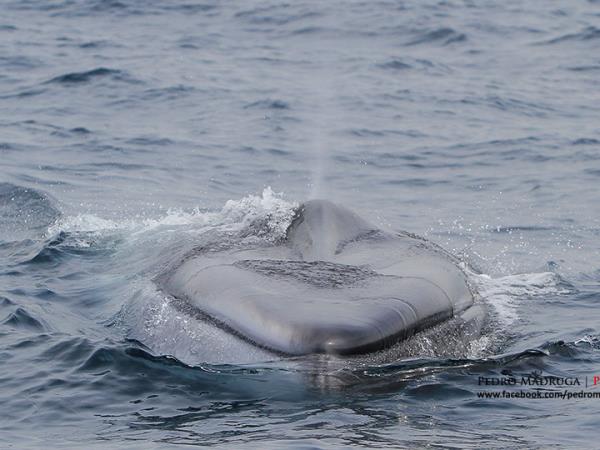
<point>334,284</point>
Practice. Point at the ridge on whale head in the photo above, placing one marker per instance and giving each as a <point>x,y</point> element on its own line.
<point>336,284</point>
<point>320,226</point>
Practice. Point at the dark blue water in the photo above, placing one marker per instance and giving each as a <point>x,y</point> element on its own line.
<point>131,130</point>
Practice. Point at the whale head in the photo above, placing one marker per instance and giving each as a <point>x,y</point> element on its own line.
<point>335,284</point>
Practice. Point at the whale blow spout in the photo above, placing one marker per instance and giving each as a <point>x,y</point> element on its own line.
<point>336,284</point>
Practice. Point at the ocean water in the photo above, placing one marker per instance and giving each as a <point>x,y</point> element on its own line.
<point>132,130</point>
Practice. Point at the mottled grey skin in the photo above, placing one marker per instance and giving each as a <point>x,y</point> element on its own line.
<point>336,285</point>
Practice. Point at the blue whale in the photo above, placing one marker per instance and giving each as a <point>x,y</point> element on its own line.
<point>335,284</point>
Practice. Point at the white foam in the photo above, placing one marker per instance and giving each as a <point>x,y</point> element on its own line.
<point>276,212</point>
<point>85,223</point>
<point>505,294</point>
<point>588,339</point>
<point>236,214</point>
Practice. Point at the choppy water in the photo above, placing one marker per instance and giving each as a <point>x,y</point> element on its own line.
<point>130,130</point>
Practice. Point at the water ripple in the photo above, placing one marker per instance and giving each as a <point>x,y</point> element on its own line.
<point>73,78</point>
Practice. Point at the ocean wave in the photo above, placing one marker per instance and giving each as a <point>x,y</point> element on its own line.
<point>587,34</point>
<point>19,62</point>
<point>268,104</point>
<point>506,294</point>
<point>20,318</point>
<point>25,212</point>
<point>75,78</point>
<point>443,36</point>
<point>586,141</point>
<point>274,15</point>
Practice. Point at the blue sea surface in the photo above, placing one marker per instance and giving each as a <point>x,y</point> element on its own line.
<point>131,130</point>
